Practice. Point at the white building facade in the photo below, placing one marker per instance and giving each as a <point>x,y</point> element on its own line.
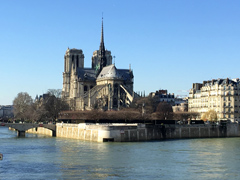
<point>221,95</point>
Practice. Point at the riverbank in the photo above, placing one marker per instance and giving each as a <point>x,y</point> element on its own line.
<point>40,157</point>
<point>139,132</point>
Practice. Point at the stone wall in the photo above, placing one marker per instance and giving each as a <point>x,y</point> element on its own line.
<point>140,132</point>
<point>83,131</point>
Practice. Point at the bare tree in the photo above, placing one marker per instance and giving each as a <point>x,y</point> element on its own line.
<point>22,105</point>
<point>54,104</point>
<point>164,111</point>
<point>149,104</point>
<point>38,112</point>
<point>185,115</point>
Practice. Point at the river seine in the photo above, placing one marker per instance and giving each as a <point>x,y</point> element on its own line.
<point>43,157</point>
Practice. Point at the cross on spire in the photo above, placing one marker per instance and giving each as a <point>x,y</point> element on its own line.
<point>102,47</point>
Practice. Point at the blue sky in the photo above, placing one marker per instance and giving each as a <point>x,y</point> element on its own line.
<point>170,44</point>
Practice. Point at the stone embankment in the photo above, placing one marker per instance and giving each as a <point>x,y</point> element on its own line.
<point>140,132</point>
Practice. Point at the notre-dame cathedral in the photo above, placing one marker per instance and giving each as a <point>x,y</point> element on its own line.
<point>102,86</point>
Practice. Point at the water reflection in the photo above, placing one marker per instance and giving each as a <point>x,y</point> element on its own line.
<point>214,157</point>
<point>58,158</point>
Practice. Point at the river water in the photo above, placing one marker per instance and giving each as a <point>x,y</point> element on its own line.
<point>44,157</point>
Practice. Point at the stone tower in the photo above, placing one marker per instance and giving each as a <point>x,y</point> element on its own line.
<point>73,59</point>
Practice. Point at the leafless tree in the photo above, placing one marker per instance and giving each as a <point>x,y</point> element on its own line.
<point>164,111</point>
<point>22,105</point>
<point>185,115</point>
<point>38,112</point>
<point>148,102</point>
<point>54,104</point>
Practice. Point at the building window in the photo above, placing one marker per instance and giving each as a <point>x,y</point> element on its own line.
<point>115,89</point>
<point>77,61</point>
<point>72,58</point>
<point>85,89</point>
<point>115,102</point>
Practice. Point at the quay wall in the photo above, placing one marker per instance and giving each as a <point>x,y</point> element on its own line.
<point>139,132</point>
<point>142,132</point>
<point>83,131</point>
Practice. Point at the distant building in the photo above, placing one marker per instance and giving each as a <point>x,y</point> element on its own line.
<point>163,96</point>
<point>220,95</point>
<point>182,107</point>
<point>101,86</point>
<point>6,111</point>
<point>41,97</point>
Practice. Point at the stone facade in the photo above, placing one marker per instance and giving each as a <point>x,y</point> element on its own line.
<point>221,95</point>
<point>163,96</point>
<point>183,107</point>
<point>6,111</point>
<point>101,86</point>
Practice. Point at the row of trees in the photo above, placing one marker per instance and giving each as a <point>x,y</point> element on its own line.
<point>144,108</point>
<point>45,108</point>
<point>48,107</point>
<point>163,110</point>
<point>152,109</point>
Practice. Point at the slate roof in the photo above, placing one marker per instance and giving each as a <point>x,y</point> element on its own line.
<point>89,74</point>
<point>86,74</point>
<point>112,72</point>
<point>221,82</point>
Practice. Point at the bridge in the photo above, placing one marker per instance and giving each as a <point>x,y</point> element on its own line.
<point>21,128</point>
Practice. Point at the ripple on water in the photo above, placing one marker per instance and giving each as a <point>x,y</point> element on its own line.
<point>39,157</point>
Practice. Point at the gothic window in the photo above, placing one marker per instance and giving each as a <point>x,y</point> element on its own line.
<point>72,58</point>
<point>85,89</point>
<point>115,88</point>
<point>65,68</point>
<point>77,61</point>
<point>109,87</point>
<point>115,102</point>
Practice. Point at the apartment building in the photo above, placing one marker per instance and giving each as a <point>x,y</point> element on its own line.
<point>220,95</point>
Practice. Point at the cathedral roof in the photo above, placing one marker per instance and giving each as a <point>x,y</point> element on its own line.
<point>113,73</point>
<point>86,74</point>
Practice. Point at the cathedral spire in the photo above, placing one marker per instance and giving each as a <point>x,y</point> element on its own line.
<point>102,58</point>
<point>102,47</point>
